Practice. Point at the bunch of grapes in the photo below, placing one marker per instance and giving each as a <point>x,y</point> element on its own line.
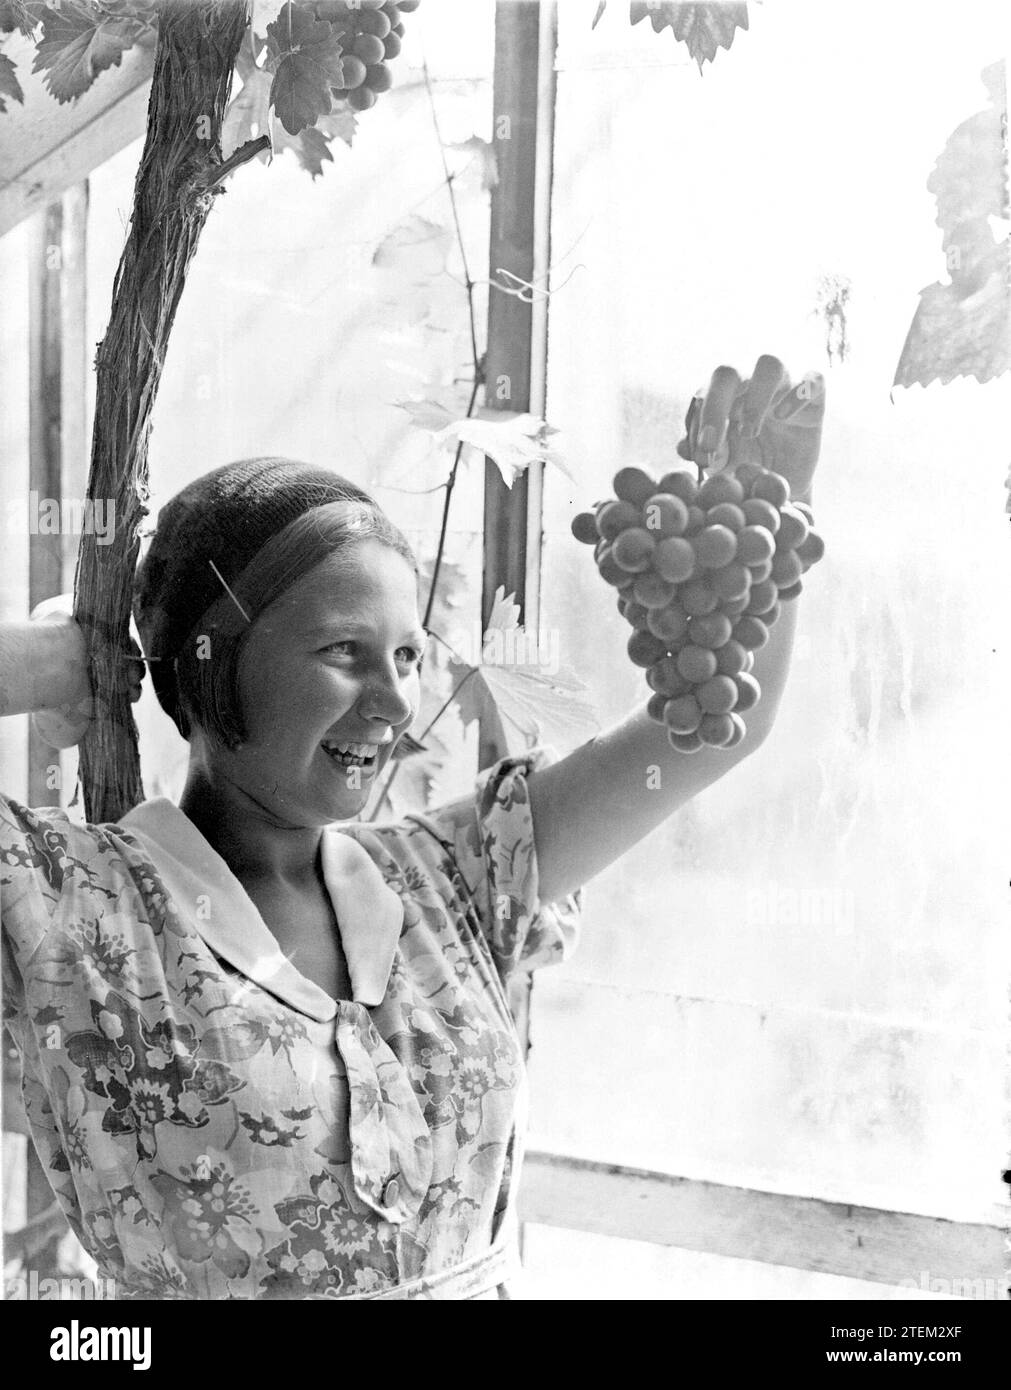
<point>371,33</point>
<point>701,570</point>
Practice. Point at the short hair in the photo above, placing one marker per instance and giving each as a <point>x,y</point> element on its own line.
<point>209,689</point>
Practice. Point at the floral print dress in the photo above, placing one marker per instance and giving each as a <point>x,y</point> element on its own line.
<point>214,1125</point>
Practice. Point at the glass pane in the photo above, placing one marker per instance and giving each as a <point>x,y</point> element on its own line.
<point>796,983</point>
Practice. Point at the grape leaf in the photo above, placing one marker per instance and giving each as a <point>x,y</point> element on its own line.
<point>417,245</point>
<point>702,28</point>
<point>9,84</point>
<point>512,441</point>
<point>515,692</point>
<point>78,42</point>
<point>304,55</point>
<point>962,328</point>
<point>20,14</point>
<point>427,415</point>
<point>484,152</point>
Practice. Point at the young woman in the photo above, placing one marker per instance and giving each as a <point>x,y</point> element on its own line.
<point>267,1051</point>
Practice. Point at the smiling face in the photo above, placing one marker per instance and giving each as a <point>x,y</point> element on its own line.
<point>334,660</point>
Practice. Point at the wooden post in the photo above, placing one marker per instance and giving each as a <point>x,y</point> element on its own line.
<point>511,248</point>
<point>45,484</point>
<point>522,110</point>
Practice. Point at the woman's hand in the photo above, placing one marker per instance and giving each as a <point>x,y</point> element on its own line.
<point>763,420</point>
<point>67,723</point>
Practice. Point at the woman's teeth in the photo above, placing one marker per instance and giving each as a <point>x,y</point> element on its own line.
<point>352,754</point>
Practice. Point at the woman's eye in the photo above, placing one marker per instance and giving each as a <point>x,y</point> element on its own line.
<point>411,655</point>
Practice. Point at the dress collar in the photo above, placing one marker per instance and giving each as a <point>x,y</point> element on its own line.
<point>369,913</point>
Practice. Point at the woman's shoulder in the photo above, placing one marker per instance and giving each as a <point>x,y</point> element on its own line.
<point>55,867</point>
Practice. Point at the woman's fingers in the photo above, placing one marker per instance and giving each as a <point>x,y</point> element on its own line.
<point>715,414</point>
<point>767,381</point>
<point>805,403</point>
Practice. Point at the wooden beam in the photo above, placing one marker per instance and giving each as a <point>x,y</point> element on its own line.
<point>511,248</point>
<point>45,428</point>
<point>46,147</point>
<point>884,1247</point>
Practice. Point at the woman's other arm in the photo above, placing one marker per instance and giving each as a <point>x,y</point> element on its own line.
<point>593,805</point>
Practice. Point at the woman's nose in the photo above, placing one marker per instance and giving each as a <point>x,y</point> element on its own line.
<point>386,699</point>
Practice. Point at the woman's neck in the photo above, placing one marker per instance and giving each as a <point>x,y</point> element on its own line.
<point>249,838</point>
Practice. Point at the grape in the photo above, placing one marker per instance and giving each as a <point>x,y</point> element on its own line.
<point>393,12</point>
<point>353,70</point>
<point>655,707</point>
<point>710,630</point>
<point>725,514</point>
<point>609,568</point>
<point>379,77</point>
<point>733,606</point>
<point>368,48</point>
<point>716,730</point>
<point>739,731</point>
<point>392,45</point>
<point>760,572</point>
<point>715,547</point>
<point>717,695</point>
<point>362,98</point>
<point>684,743</point>
<point>763,596</point>
<point>731,658</point>
<point>584,528</point>
<point>633,549</point>
<point>665,514</point>
<point>786,568</point>
<point>374,22</point>
<point>805,511</point>
<point>644,649</point>
<point>636,614</point>
<point>731,582</point>
<point>682,714</point>
<point>772,617</point>
<point>696,664</point>
<point>771,487</point>
<point>665,678</point>
<point>674,559</point>
<point>633,485</point>
<point>748,692</point>
<point>406,6</point>
<point>750,665</point>
<point>669,624</point>
<point>720,487</point>
<point>614,517</point>
<point>791,592</point>
<point>652,591</point>
<point>696,520</point>
<point>811,549</point>
<point>793,529</point>
<point>755,544</point>
<point>697,598</point>
<point>751,633</point>
<point>398,29</point>
<point>747,473</point>
<point>759,512</point>
<point>679,484</point>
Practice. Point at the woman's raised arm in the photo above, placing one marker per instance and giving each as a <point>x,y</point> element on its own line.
<point>605,796</point>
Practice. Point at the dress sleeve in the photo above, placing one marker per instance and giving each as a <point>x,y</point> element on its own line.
<point>32,852</point>
<point>492,836</point>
